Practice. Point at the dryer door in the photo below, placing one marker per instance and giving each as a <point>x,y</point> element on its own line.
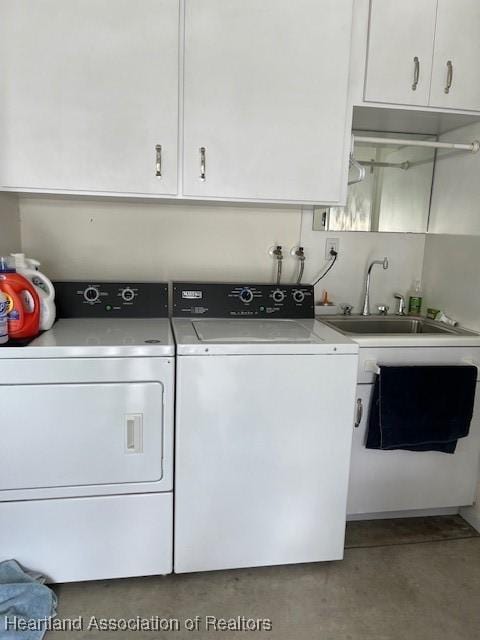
<point>85,426</point>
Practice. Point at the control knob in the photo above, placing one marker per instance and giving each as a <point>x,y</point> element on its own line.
<point>128,294</point>
<point>91,294</point>
<point>246,295</point>
<point>278,295</point>
<point>298,296</point>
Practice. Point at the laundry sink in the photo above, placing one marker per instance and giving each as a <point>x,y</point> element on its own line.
<point>381,325</point>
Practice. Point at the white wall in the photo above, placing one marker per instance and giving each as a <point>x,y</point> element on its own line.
<point>9,224</point>
<point>346,280</point>
<point>456,195</point>
<point>452,262</point>
<point>75,238</point>
<point>116,239</point>
<point>451,277</point>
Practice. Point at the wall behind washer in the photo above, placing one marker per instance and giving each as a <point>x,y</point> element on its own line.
<point>345,282</point>
<point>75,238</point>
<point>83,238</point>
<point>9,224</point>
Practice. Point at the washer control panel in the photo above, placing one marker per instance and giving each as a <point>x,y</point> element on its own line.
<point>220,300</point>
<point>102,299</point>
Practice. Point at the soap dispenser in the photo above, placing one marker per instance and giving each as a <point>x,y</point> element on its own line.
<point>415,298</point>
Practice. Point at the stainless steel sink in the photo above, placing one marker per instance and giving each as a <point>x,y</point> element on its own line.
<point>375,325</point>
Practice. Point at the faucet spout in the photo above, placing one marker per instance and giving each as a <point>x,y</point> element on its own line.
<point>366,299</point>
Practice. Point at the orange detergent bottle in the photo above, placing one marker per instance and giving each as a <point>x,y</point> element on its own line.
<point>23,302</point>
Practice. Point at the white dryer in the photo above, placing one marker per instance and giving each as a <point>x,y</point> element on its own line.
<point>264,421</point>
<point>86,461</point>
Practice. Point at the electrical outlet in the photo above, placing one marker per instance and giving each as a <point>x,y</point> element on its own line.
<point>331,243</point>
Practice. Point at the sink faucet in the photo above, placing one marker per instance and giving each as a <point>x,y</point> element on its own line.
<point>366,300</point>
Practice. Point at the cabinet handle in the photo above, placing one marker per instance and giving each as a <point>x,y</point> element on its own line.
<point>449,76</point>
<point>416,73</point>
<point>158,162</point>
<point>203,165</point>
<point>358,413</point>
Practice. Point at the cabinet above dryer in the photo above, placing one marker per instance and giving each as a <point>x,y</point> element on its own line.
<point>88,91</point>
<point>207,100</point>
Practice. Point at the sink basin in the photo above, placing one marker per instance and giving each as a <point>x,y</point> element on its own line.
<point>375,325</point>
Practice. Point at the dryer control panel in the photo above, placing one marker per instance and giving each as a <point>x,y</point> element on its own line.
<point>218,300</point>
<point>102,299</point>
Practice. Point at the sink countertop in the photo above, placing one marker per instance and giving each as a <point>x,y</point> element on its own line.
<point>416,340</point>
<point>407,339</point>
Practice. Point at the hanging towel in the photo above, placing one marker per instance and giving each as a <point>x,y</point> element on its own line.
<point>23,596</point>
<point>423,408</point>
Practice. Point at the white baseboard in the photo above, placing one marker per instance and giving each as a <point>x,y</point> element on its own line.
<point>415,513</point>
<point>472,516</point>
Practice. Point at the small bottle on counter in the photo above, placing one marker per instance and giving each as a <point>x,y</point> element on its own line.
<point>3,318</point>
<point>415,299</point>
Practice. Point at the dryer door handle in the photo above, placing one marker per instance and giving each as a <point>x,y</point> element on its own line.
<point>133,433</point>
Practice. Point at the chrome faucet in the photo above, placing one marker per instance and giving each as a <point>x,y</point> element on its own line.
<point>366,300</point>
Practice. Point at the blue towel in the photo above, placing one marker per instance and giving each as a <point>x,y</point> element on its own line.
<point>23,596</point>
<point>421,408</point>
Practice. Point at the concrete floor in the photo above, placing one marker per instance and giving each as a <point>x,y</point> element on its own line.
<point>395,531</point>
<point>418,591</point>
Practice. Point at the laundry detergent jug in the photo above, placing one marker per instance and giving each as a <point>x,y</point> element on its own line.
<point>23,302</point>
<point>3,318</point>
<point>28,267</point>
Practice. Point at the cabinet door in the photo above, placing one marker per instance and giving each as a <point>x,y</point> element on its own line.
<point>266,98</point>
<point>383,481</point>
<point>455,78</point>
<point>88,89</point>
<point>399,60</point>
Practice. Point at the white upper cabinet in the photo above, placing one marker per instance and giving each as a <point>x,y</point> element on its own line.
<point>265,103</point>
<point>425,53</point>
<point>399,61</point>
<point>456,61</point>
<point>88,90</point>
<point>89,98</point>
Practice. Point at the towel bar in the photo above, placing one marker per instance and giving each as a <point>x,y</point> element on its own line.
<point>372,367</point>
<point>472,362</point>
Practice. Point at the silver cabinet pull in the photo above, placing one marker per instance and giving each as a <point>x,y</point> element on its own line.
<point>203,165</point>
<point>158,161</point>
<point>416,73</point>
<point>449,76</point>
<point>358,413</point>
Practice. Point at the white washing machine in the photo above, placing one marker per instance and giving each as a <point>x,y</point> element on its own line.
<point>264,420</point>
<point>86,460</point>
